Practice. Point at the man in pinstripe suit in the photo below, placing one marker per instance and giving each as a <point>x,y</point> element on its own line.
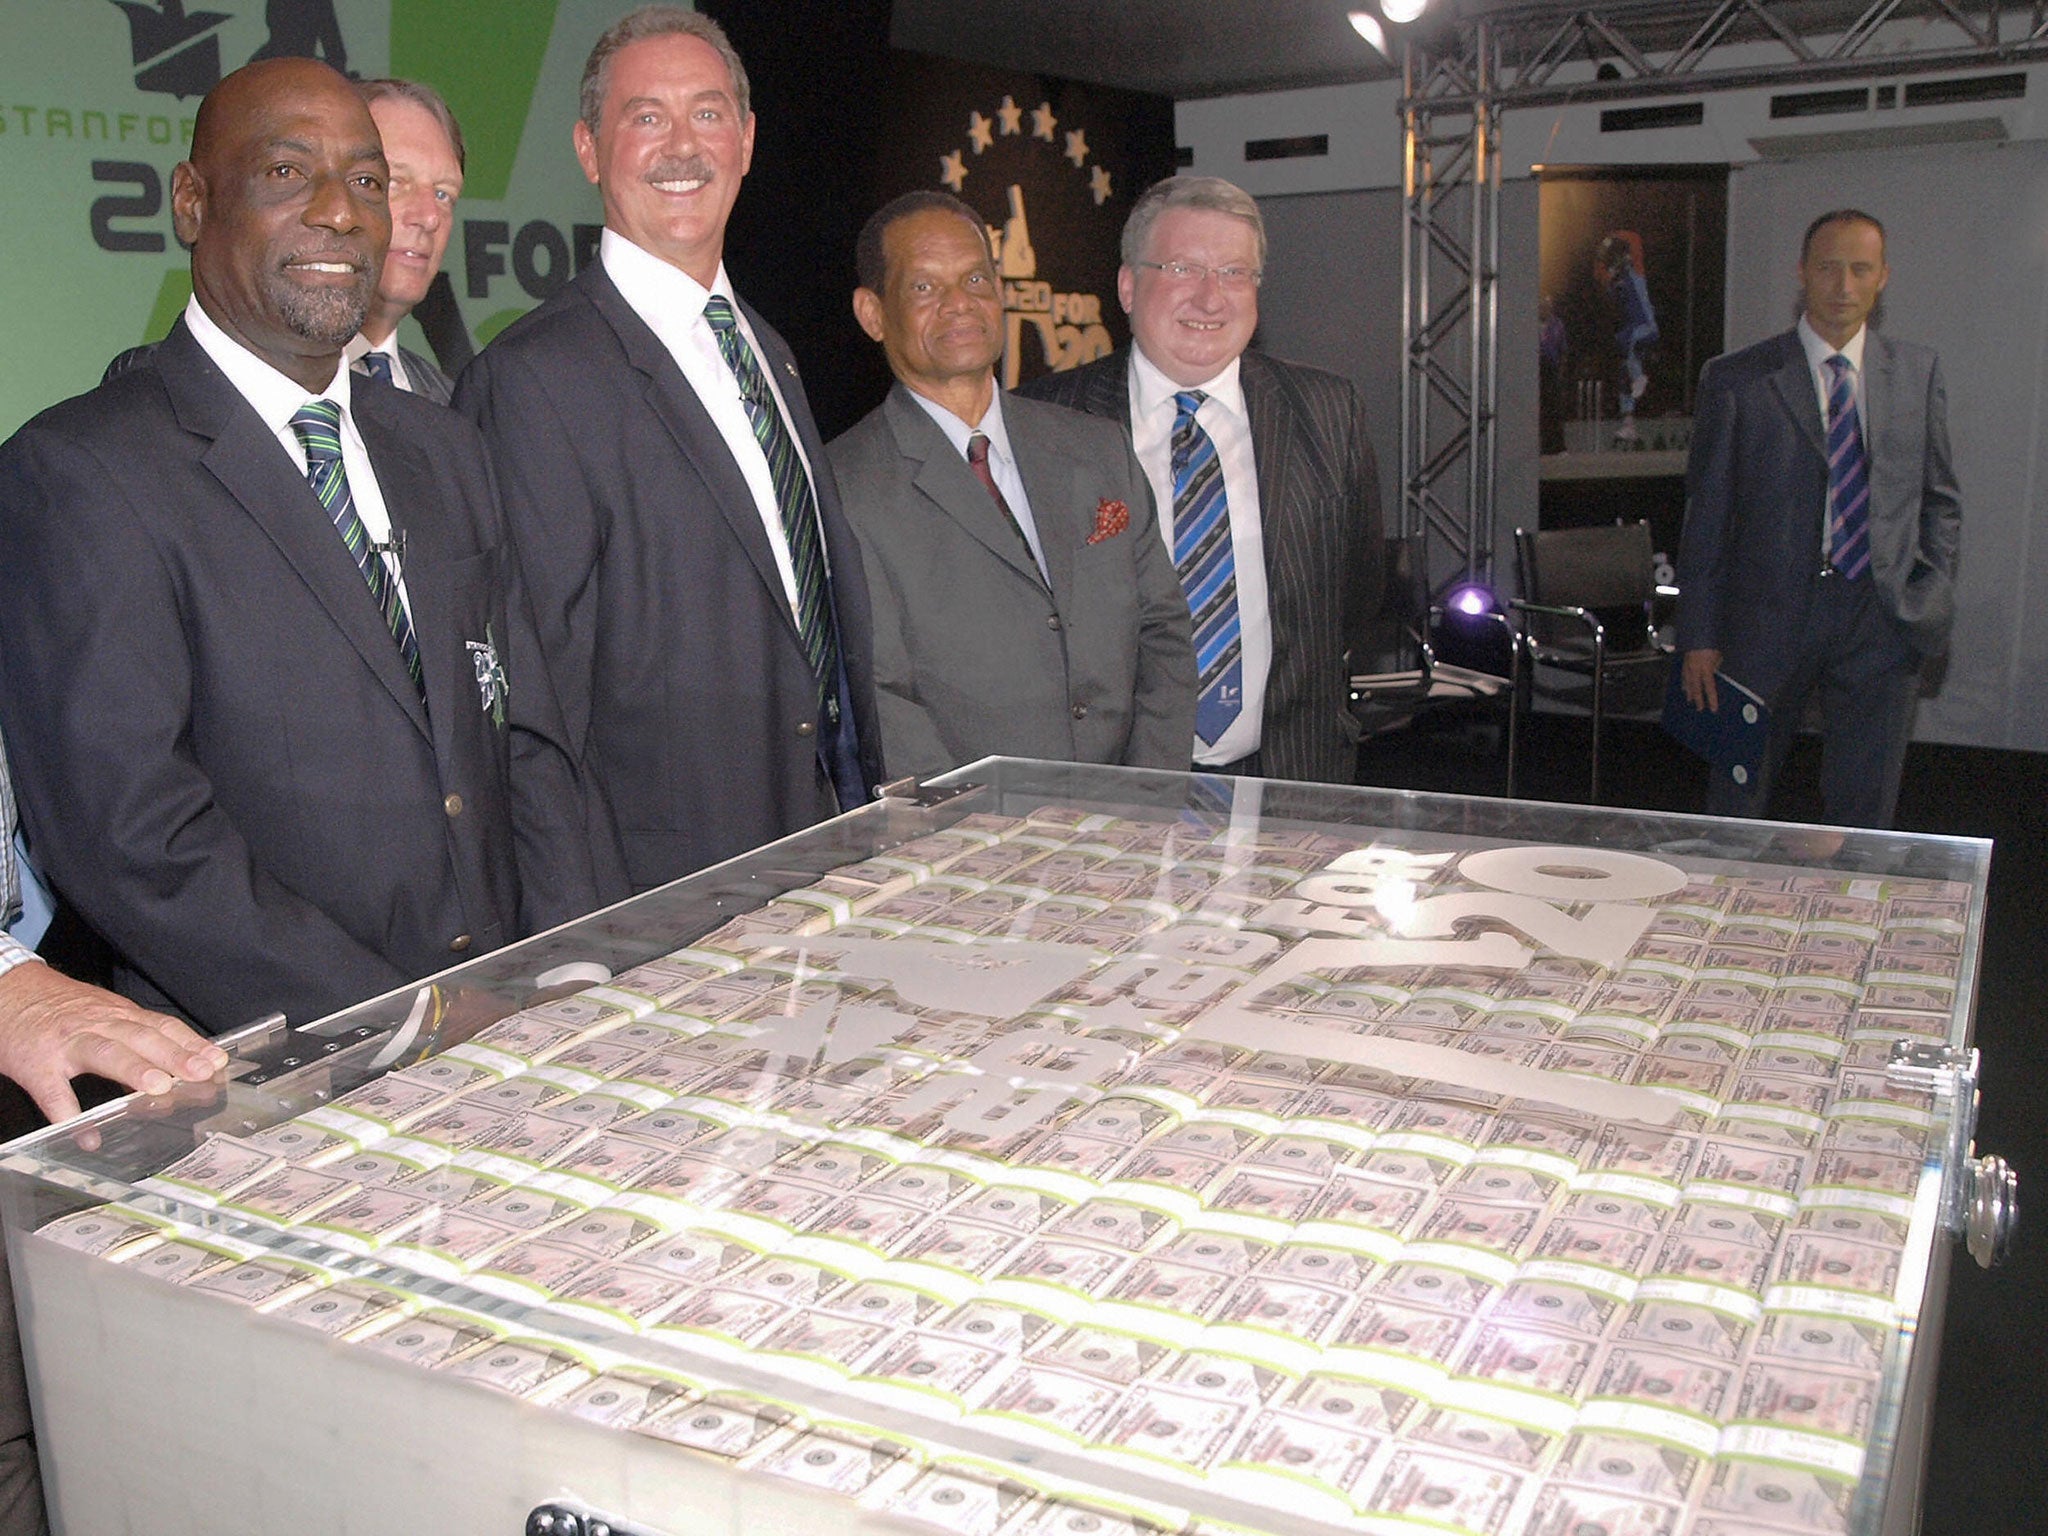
<point>1278,602</point>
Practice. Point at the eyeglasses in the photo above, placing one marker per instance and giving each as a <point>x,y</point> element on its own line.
<point>1236,279</point>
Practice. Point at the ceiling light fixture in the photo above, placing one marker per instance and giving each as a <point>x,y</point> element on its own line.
<point>1367,26</point>
<point>1401,12</point>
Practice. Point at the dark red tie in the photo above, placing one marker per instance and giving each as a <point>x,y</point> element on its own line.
<point>977,459</point>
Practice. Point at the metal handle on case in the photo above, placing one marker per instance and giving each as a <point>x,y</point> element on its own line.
<point>559,1519</point>
<point>1980,1198</point>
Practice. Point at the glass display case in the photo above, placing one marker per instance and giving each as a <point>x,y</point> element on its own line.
<point>1063,1151</point>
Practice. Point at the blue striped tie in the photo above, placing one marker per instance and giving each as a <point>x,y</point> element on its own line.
<point>318,424</point>
<point>1208,569</point>
<point>1848,475</point>
<point>793,500</point>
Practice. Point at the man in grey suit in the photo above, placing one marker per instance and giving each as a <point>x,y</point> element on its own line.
<point>1023,601</point>
<point>1280,599</point>
<point>423,144</point>
<point>1822,523</point>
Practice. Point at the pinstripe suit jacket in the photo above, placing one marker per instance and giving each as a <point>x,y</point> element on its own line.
<point>1319,510</point>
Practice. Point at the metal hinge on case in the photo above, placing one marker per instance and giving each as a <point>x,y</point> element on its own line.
<point>919,793</point>
<point>1980,1195</point>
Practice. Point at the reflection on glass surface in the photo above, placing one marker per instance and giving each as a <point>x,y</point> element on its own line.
<point>1267,1153</point>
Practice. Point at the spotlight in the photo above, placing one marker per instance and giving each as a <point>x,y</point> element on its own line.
<point>1471,601</point>
<point>1401,12</point>
<point>1367,26</point>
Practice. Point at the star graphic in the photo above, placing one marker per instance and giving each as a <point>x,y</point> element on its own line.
<point>953,171</point>
<point>1099,185</point>
<point>1012,116</point>
<point>1042,121</point>
<point>980,130</point>
<point>1077,146</point>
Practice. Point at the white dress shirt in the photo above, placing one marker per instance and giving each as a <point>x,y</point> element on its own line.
<point>672,303</point>
<point>359,347</point>
<point>1817,354</point>
<point>277,399</point>
<point>1223,417</point>
<point>11,953</point>
<point>1002,462</point>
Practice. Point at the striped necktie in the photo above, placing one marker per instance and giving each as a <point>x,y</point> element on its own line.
<point>318,424</point>
<point>1848,475</point>
<point>1208,569</point>
<point>793,500</point>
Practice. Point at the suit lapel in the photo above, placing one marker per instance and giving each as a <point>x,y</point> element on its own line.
<point>1794,383</point>
<point>1051,481</point>
<point>1108,388</point>
<point>945,480</point>
<point>683,415</point>
<point>1879,392</point>
<point>254,469</point>
<point>1274,424</point>
<point>407,481</point>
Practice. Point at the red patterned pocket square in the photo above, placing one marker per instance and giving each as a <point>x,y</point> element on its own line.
<point>1111,519</point>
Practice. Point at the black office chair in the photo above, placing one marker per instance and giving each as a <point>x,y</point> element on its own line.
<point>1401,631</point>
<point>1586,608</point>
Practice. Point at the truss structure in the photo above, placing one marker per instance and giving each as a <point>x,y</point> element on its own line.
<point>1461,72</point>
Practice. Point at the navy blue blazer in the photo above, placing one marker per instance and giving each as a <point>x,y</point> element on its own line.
<point>690,702</point>
<point>222,764</point>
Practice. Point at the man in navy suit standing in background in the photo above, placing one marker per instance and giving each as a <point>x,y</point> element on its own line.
<point>1822,523</point>
<point>699,593</point>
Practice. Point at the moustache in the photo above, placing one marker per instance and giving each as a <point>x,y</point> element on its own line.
<point>686,168</point>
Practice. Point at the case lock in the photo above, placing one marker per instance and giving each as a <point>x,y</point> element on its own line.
<point>1980,1195</point>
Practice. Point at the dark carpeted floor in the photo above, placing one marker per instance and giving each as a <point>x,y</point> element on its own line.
<point>1988,1461</point>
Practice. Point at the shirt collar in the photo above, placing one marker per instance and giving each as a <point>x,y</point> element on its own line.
<point>958,432</point>
<point>1818,351</point>
<point>274,397</point>
<point>657,289</point>
<point>1152,389</point>
<point>360,346</point>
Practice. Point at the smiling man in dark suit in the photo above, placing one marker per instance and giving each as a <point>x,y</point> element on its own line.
<point>699,594</point>
<point>1278,449</point>
<point>274,764</point>
<point>1822,527</point>
<point>1024,603</point>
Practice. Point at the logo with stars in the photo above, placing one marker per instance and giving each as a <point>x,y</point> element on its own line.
<point>990,171</point>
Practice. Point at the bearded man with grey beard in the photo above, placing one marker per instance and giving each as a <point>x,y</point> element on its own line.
<point>268,677</point>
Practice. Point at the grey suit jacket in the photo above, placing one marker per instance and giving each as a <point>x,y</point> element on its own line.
<point>973,654</point>
<point>1756,494</point>
<point>1319,508</point>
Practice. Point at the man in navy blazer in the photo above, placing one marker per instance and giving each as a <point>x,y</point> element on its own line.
<point>1798,579</point>
<point>230,761</point>
<point>699,594</point>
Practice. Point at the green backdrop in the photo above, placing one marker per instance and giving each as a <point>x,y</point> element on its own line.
<point>96,104</point>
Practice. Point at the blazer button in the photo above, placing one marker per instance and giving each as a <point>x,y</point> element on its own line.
<point>459,943</point>
<point>807,728</point>
<point>452,805</point>
<point>1080,711</point>
<point>1052,621</point>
